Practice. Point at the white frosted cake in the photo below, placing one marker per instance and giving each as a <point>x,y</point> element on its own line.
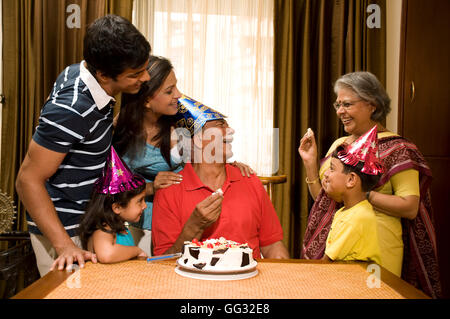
<point>216,255</point>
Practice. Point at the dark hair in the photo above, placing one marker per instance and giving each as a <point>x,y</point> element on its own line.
<point>368,182</point>
<point>112,44</point>
<point>99,213</point>
<point>129,135</point>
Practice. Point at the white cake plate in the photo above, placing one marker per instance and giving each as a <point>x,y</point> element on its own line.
<point>215,276</point>
<point>215,271</point>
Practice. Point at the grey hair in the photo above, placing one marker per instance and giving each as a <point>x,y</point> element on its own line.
<point>368,88</point>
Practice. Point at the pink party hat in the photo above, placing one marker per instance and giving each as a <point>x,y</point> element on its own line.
<point>117,177</point>
<point>364,149</point>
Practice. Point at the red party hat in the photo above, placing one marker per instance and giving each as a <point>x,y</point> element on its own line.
<point>117,177</point>
<point>364,149</point>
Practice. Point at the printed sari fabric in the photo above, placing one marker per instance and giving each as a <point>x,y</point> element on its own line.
<point>420,265</point>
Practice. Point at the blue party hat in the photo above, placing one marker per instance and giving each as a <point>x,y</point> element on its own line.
<point>192,115</point>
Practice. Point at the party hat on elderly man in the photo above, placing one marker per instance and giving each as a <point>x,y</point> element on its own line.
<point>192,115</point>
<point>364,149</point>
<point>117,177</point>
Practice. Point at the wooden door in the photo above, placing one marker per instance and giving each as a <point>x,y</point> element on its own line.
<point>424,105</point>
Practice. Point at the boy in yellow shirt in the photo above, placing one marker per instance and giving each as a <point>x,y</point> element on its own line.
<point>354,170</point>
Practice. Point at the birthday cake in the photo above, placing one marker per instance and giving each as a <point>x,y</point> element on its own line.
<point>216,255</point>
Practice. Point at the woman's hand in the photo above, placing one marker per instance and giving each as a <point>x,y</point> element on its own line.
<point>308,148</point>
<point>165,179</point>
<point>393,205</point>
<point>245,169</point>
<point>308,153</point>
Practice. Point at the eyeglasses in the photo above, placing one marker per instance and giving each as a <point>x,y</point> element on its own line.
<point>345,105</point>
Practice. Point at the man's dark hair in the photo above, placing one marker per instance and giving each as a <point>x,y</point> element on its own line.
<point>112,44</point>
<point>368,182</point>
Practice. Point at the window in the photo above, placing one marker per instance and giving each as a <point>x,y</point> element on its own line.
<point>222,52</point>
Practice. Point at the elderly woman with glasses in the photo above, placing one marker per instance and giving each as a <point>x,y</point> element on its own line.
<point>401,199</point>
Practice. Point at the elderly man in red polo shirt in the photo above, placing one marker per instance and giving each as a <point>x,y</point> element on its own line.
<point>241,211</point>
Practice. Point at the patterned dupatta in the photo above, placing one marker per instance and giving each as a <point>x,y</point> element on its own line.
<point>420,265</point>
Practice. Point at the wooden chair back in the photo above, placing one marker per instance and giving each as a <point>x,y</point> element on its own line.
<point>270,181</point>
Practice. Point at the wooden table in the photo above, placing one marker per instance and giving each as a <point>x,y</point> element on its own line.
<point>287,279</point>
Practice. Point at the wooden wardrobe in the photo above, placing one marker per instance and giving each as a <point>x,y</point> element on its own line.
<point>424,105</point>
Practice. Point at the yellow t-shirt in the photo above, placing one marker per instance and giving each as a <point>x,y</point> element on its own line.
<point>354,235</point>
<point>404,183</point>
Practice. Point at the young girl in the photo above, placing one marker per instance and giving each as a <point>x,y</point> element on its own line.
<point>118,197</point>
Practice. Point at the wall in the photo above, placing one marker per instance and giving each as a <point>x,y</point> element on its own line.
<point>393,22</point>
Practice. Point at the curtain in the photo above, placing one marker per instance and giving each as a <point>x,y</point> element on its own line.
<point>222,52</point>
<point>316,41</point>
<point>37,45</point>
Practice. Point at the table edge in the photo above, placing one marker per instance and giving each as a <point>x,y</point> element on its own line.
<point>400,286</point>
<point>45,285</point>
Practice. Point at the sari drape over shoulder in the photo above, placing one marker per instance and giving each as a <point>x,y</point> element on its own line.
<point>420,266</point>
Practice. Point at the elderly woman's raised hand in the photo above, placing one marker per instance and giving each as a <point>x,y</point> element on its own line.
<point>308,148</point>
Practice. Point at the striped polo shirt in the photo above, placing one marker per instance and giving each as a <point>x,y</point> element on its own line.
<point>77,120</point>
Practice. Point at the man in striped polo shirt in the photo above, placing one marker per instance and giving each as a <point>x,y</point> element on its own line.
<point>69,147</point>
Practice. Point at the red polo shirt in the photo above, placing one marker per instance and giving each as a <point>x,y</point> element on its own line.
<point>247,213</point>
